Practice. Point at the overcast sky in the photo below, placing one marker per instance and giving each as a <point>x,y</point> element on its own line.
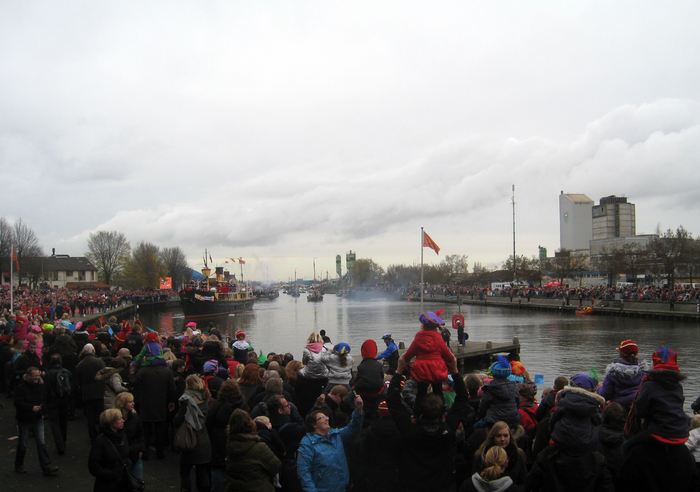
<point>283,131</point>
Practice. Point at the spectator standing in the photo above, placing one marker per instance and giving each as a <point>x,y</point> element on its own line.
<point>30,406</point>
<point>93,390</point>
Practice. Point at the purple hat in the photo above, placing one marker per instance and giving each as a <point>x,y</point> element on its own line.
<point>585,381</point>
<point>432,319</point>
<point>210,366</point>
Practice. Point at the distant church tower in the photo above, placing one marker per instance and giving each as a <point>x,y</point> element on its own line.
<point>575,221</point>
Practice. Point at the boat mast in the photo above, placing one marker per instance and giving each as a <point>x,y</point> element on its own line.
<point>515,275</point>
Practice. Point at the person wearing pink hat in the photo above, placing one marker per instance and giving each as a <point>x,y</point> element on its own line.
<point>624,375</point>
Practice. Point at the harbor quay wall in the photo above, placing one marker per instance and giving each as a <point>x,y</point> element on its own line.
<point>682,311</point>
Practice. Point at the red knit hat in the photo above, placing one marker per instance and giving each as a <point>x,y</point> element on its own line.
<point>240,335</point>
<point>665,358</point>
<point>628,348</point>
<point>151,336</point>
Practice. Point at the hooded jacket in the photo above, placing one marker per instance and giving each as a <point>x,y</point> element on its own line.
<point>112,380</point>
<point>338,373</point>
<point>622,379</point>
<point>574,422</point>
<point>314,368</point>
<point>370,372</point>
<point>499,402</point>
<point>430,352</point>
<point>250,464</point>
<point>478,484</point>
<point>660,401</point>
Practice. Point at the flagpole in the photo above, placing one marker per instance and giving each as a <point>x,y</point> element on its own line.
<point>12,259</point>
<point>421,270</point>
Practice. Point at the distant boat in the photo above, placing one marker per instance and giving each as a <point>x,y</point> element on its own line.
<point>295,291</point>
<point>585,310</point>
<point>315,295</point>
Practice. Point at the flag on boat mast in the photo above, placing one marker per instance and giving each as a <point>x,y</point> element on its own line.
<point>240,260</point>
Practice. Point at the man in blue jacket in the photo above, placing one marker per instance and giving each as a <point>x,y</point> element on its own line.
<point>391,354</point>
<point>321,463</point>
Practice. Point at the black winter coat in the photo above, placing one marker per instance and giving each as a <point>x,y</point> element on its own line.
<point>500,402</point>
<point>155,388</point>
<point>660,402</point>
<point>370,377</point>
<point>427,445</point>
<point>202,452</point>
<point>133,430</point>
<point>555,471</point>
<point>86,371</point>
<point>27,396</point>
<point>106,463</point>
<point>380,463</point>
<point>217,420</point>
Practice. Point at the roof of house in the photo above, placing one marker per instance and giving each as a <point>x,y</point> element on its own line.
<point>60,263</point>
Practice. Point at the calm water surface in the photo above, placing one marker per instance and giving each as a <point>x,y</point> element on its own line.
<point>551,344</point>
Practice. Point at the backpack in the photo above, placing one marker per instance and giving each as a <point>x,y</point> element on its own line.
<point>62,386</point>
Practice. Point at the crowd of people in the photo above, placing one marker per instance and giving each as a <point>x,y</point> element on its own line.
<point>680,293</point>
<point>240,421</point>
<point>53,303</point>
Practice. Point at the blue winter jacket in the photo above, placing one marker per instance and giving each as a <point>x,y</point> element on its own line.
<point>321,463</point>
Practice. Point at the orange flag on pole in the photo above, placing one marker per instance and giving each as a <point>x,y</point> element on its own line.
<point>240,260</point>
<point>14,258</point>
<point>429,243</point>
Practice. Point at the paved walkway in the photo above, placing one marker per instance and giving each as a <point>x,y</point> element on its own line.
<point>73,474</point>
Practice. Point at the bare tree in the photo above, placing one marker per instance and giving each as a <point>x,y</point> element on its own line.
<point>669,252</point>
<point>5,241</point>
<point>479,273</point>
<point>109,252</point>
<point>175,264</point>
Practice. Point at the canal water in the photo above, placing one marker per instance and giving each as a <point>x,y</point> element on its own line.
<point>552,344</point>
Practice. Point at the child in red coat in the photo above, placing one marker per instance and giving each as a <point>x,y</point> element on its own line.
<point>431,353</point>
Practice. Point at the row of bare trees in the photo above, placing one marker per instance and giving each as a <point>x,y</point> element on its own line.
<point>26,247</point>
<point>666,257</point>
<point>138,267</point>
<point>109,251</point>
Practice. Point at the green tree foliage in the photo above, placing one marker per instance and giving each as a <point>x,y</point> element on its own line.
<point>144,269</point>
<point>175,265</point>
<point>367,272</point>
<point>109,252</point>
<point>402,275</point>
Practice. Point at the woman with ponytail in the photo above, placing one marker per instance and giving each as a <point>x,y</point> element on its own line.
<point>492,478</point>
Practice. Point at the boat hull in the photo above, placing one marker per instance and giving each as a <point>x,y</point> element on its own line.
<point>198,304</point>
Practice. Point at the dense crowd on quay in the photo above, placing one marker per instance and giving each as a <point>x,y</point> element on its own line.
<point>681,293</point>
<point>248,421</point>
<point>53,303</point>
